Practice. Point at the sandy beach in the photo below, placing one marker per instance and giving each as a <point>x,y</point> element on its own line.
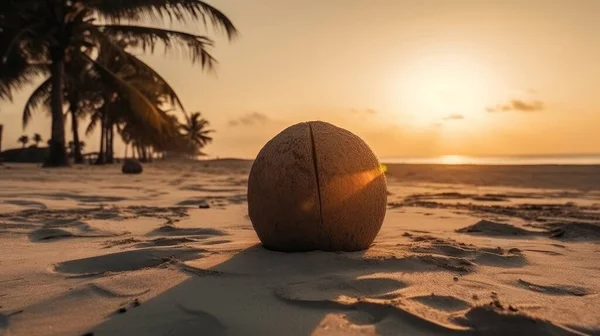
<point>463,250</point>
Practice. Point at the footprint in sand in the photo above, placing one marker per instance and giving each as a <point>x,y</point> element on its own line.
<point>443,303</point>
<point>365,301</point>
<point>488,320</point>
<point>333,289</point>
<point>47,234</point>
<point>103,291</point>
<point>27,204</point>
<point>553,289</point>
<point>170,230</point>
<point>577,231</point>
<point>217,242</point>
<point>493,229</point>
<point>166,242</point>
<point>127,261</point>
<point>499,258</point>
<point>547,252</point>
<point>495,257</point>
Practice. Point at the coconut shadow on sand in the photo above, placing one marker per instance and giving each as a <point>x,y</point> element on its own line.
<point>277,294</point>
<point>261,292</point>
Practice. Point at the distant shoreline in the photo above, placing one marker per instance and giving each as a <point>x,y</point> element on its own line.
<point>457,160</point>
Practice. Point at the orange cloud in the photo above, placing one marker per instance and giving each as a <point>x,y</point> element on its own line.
<point>454,116</point>
<point>250,119</point>
<point>519,106</point>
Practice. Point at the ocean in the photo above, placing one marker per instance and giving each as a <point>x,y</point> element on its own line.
<point>578,159</point>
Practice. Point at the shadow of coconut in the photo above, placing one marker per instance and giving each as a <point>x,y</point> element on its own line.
<point>262,292</point>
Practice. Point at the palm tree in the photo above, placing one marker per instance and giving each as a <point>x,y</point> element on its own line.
<point>195,129</point>
<point>72,145</point>
<point>114,107</point>
<point>23,139</point>
<point>37,138</point>
<point>40,37</point>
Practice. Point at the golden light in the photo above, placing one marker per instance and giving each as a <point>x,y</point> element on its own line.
<point>453,159</point>
<point>444,86</point>
<point>345,186</point>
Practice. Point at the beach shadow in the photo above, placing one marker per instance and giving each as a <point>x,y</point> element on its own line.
<point>279,294</point>
<point>262,292</point>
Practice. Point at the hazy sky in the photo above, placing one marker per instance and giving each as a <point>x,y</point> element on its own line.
<point>411,77</point>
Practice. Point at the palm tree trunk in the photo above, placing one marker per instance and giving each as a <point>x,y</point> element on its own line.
<point>107,144</point>
<point>106,136</point>
<point>126,147</point>
<point>57,156</point>
<point>101,157</point>
<point>110,153</point>
<point>78,157</point>
<point>141,154</point>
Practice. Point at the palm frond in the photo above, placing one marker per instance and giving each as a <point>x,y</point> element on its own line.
<point>39,97</point>
<point>18,49</point>
<point>112,50</point>
<point>166,88</point>
<point>174,10</point>
<point>16,73</point>
<point>195,46</point>
<point>94,120</point>
<point>138,103</point>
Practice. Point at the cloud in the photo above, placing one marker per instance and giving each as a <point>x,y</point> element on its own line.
<point>250,119</point>
<point>368,111</point>
<point>519,106</point>
<point>454,116</point>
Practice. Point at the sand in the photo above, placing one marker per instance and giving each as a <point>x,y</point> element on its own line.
<point>463,250</point>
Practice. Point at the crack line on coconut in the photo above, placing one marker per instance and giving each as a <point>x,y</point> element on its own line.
<point>316,165</point>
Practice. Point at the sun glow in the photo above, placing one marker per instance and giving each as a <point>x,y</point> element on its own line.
<point>445,88</point>
<point>452,159</point>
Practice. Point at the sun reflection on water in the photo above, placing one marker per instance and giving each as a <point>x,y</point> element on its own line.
<point>453,159</point>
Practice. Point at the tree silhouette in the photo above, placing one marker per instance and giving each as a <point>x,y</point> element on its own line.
<point>42,37</point>
<point>72,147</point>
<point>195,129</point>
<point>23,139</point>
<point>37,138</point>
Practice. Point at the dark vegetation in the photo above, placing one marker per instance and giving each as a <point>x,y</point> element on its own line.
<point>84,54</point>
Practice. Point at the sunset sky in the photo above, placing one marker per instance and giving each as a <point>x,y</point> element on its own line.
<point>413,78</point>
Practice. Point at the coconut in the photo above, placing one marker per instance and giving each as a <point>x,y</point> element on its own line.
<point>132,166</point>
<point>315,186</point>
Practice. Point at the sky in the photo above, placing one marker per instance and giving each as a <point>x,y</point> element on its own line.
<point>412,78</point>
